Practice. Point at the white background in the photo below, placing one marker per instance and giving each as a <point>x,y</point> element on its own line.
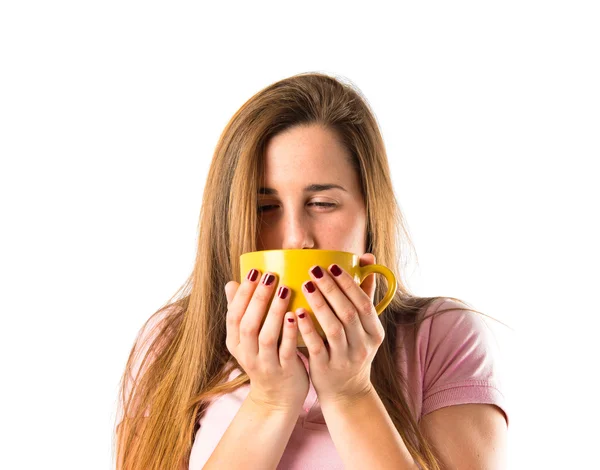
<point>109,114</point>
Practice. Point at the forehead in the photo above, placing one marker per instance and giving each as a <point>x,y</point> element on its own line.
<point>308,154</point>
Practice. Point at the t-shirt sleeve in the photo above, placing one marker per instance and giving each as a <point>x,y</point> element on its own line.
<point>461,360</point>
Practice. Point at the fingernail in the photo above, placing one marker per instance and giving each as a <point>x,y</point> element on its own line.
<point>268,280</point>
<point>291,320</point>
<point>335,270</point>
<point>310,287</point>
<point>252,275</point>
<point>283,292</point>
<point>316,271</point>
<point>301,315</point>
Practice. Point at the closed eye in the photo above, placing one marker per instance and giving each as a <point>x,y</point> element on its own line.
<point>266,208</point>
<point>269,207</point>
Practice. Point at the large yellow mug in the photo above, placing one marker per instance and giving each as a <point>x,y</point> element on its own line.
<point>292,266</point>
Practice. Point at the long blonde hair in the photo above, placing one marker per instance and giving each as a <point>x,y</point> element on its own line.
<point>179,360</point>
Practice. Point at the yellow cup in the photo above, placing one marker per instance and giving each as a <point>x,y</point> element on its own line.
<point>292,266</point>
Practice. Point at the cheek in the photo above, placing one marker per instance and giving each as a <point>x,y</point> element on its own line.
<point>266,237</point>
<point>359,234</point>
<point>347,231</point>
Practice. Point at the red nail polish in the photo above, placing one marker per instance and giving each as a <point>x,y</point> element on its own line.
<point>268,280</point>
<point>283,292</point>
<point>335,270</point>
<point>252,275</point>
<point>291,320</point>
<point>301,315</point>
<point>310,287</point>
<point>316,271</point>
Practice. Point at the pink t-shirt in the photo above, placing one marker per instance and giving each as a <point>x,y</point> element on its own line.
<point>453,361</point>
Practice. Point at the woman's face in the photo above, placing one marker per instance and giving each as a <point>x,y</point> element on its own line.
<point>311,196</point>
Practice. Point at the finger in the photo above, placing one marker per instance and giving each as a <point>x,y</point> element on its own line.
<point>237,306</point>
<point>289,340</point>
<point>270,331</point>
<point>370,282</point>
<point>316,346</point>
<point>363,303</point>
<point>329,292</point>
<point>255,313</point>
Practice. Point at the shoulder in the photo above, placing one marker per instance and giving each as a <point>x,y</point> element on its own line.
<point>457,357</point>
<point>155,331</point>
<point>151,338</point>
<point>452,335</point>
<point>148,343</point>
<point>444,321</point>
<point>450,323</point>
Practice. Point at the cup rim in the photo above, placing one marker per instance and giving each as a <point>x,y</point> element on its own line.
<point>302,249</point>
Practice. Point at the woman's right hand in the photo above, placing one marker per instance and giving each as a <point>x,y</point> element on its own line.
<point>278,378</point>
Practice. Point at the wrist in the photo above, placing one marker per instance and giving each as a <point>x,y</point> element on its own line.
<point>268,408</point>
<point>343,400</point>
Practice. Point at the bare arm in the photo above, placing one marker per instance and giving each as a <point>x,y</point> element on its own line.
<point>261,429</point>
<point>468,437</point>
<point>364,434</point>
<point>256,438</point>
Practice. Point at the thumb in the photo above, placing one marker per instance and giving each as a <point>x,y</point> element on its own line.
<point>366,259</point>
<point>368,286</point>
<point>230,289</point>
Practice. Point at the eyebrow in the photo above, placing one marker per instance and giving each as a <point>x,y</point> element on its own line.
<point>311,188</point>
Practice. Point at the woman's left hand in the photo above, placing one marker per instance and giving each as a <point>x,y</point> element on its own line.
<point>341,370</point>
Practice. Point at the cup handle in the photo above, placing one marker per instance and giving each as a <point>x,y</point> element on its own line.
<point>391,280</point>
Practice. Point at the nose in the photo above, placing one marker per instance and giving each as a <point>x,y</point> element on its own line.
<point>297,232</point>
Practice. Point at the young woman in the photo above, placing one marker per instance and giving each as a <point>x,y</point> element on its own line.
<point>302,164</point>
